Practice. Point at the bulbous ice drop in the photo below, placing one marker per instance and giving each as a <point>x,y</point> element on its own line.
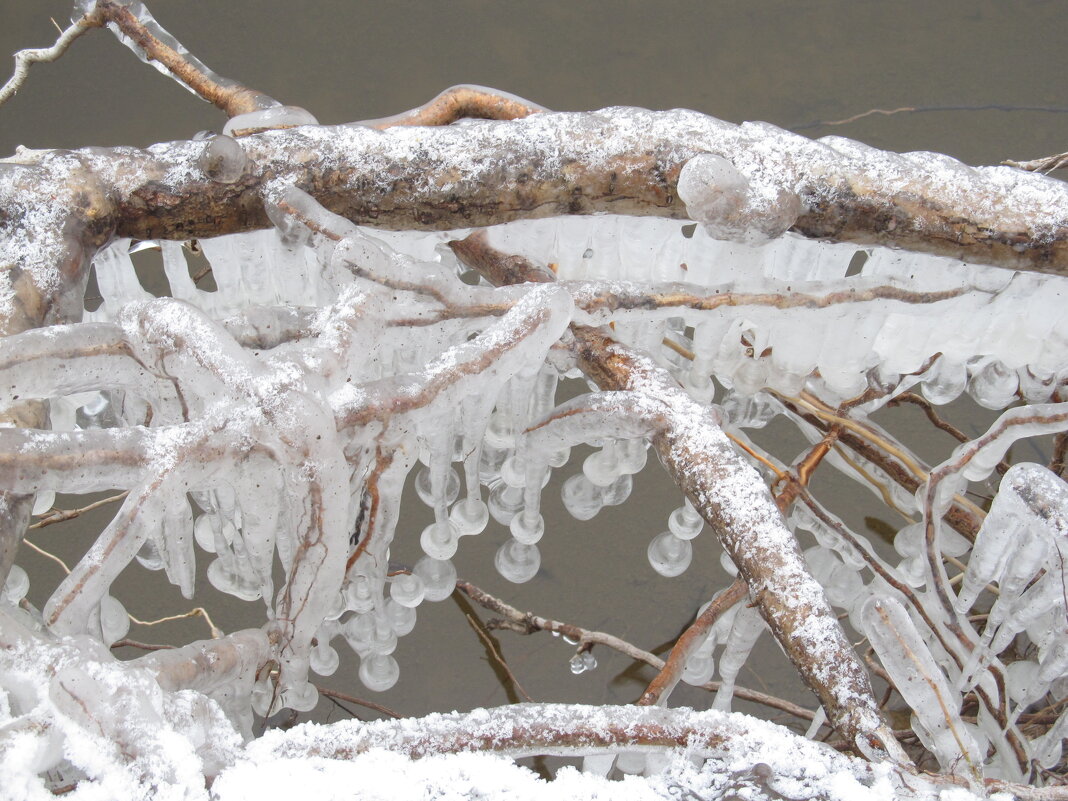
<point>384,639</point>
<point>401,617</point>
<point>469,516</point>
<point>944,382</point>
<point>43,502</point>
<point>16,585</point>
<point>699,668</point>
<point>489,465</point>
<point>527,529</point>
<point>582,663</point>
<point>994,385</point>
<point>618,491</point>
<point>505,502</point>
<point>359,595</point>
<point>601,467</point>
<point>323,659</point>
<point>223,160</point>
<point>632,762</point>
<point>379,672</point>
<point>717,194</point>
<point>633,455</point>
<point>669,555</point>
<point>204,532</point>
<point>439,577</point>
<point>685,523</point>
<point>225,579</point>
<point>407,590</point>
<point>423,488</point>
<point>750,377</point>
<point>359,632</point>
<point>114,622</point>
<point>439,540</point>
<point>517,561</point>
<point>149,557</point>
<point>582,499</point>
<point>301,697</point>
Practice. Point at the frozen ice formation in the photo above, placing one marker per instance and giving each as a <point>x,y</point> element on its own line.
<point>269,425</point>
<point>732,207</point>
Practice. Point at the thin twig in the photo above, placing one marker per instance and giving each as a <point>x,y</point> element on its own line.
<point>488,642</point>
<point>144,646</point>
<point>351,699</point>
<point>59,515</point>
<point>47,555</point>
<point>527,623</point>
<point>691,639</point>
<point>1046,164</point>
<point>926,109</point>
<point>43,55</point>
<point>216,632</point>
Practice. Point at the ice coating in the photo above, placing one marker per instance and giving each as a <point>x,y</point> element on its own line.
<point>923,685</point>
<point>732,207</point>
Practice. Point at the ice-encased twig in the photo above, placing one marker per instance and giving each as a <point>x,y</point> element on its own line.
<point>923,685</point>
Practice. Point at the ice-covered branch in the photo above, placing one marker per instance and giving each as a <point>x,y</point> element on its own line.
<point>733,499</point>
<point>783,766</point>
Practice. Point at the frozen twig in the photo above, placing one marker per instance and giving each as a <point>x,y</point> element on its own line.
<point>24,59</point>
<point>462,102</point>
<point>1046,164</point>
<point>691,639</point>
<point>528,623</point>
<point>59,515</point>
<point>227,95</point>
<point>487,641</point>
<point>351,699</point>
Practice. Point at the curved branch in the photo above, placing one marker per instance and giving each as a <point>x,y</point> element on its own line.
<point>24,59</point>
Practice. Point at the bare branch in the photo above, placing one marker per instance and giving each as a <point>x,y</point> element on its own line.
<point>24,59</point>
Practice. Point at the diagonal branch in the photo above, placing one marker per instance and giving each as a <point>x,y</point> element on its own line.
<point>24,59</point>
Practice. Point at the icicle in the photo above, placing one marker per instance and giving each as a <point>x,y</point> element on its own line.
<point>923,685</point>
<point>744,632</point>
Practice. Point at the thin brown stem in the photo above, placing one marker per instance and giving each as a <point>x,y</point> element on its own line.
<point>487,640</point>
<point>230,97</point>
<point>351,699</point>
<point>690,640</point>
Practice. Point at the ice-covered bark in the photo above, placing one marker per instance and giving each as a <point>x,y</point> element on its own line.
<point>68,704</point>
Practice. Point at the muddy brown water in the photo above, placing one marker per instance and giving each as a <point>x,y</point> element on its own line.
<point>793,64</point>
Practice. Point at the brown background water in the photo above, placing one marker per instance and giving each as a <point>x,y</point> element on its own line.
<point>789,63</point>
